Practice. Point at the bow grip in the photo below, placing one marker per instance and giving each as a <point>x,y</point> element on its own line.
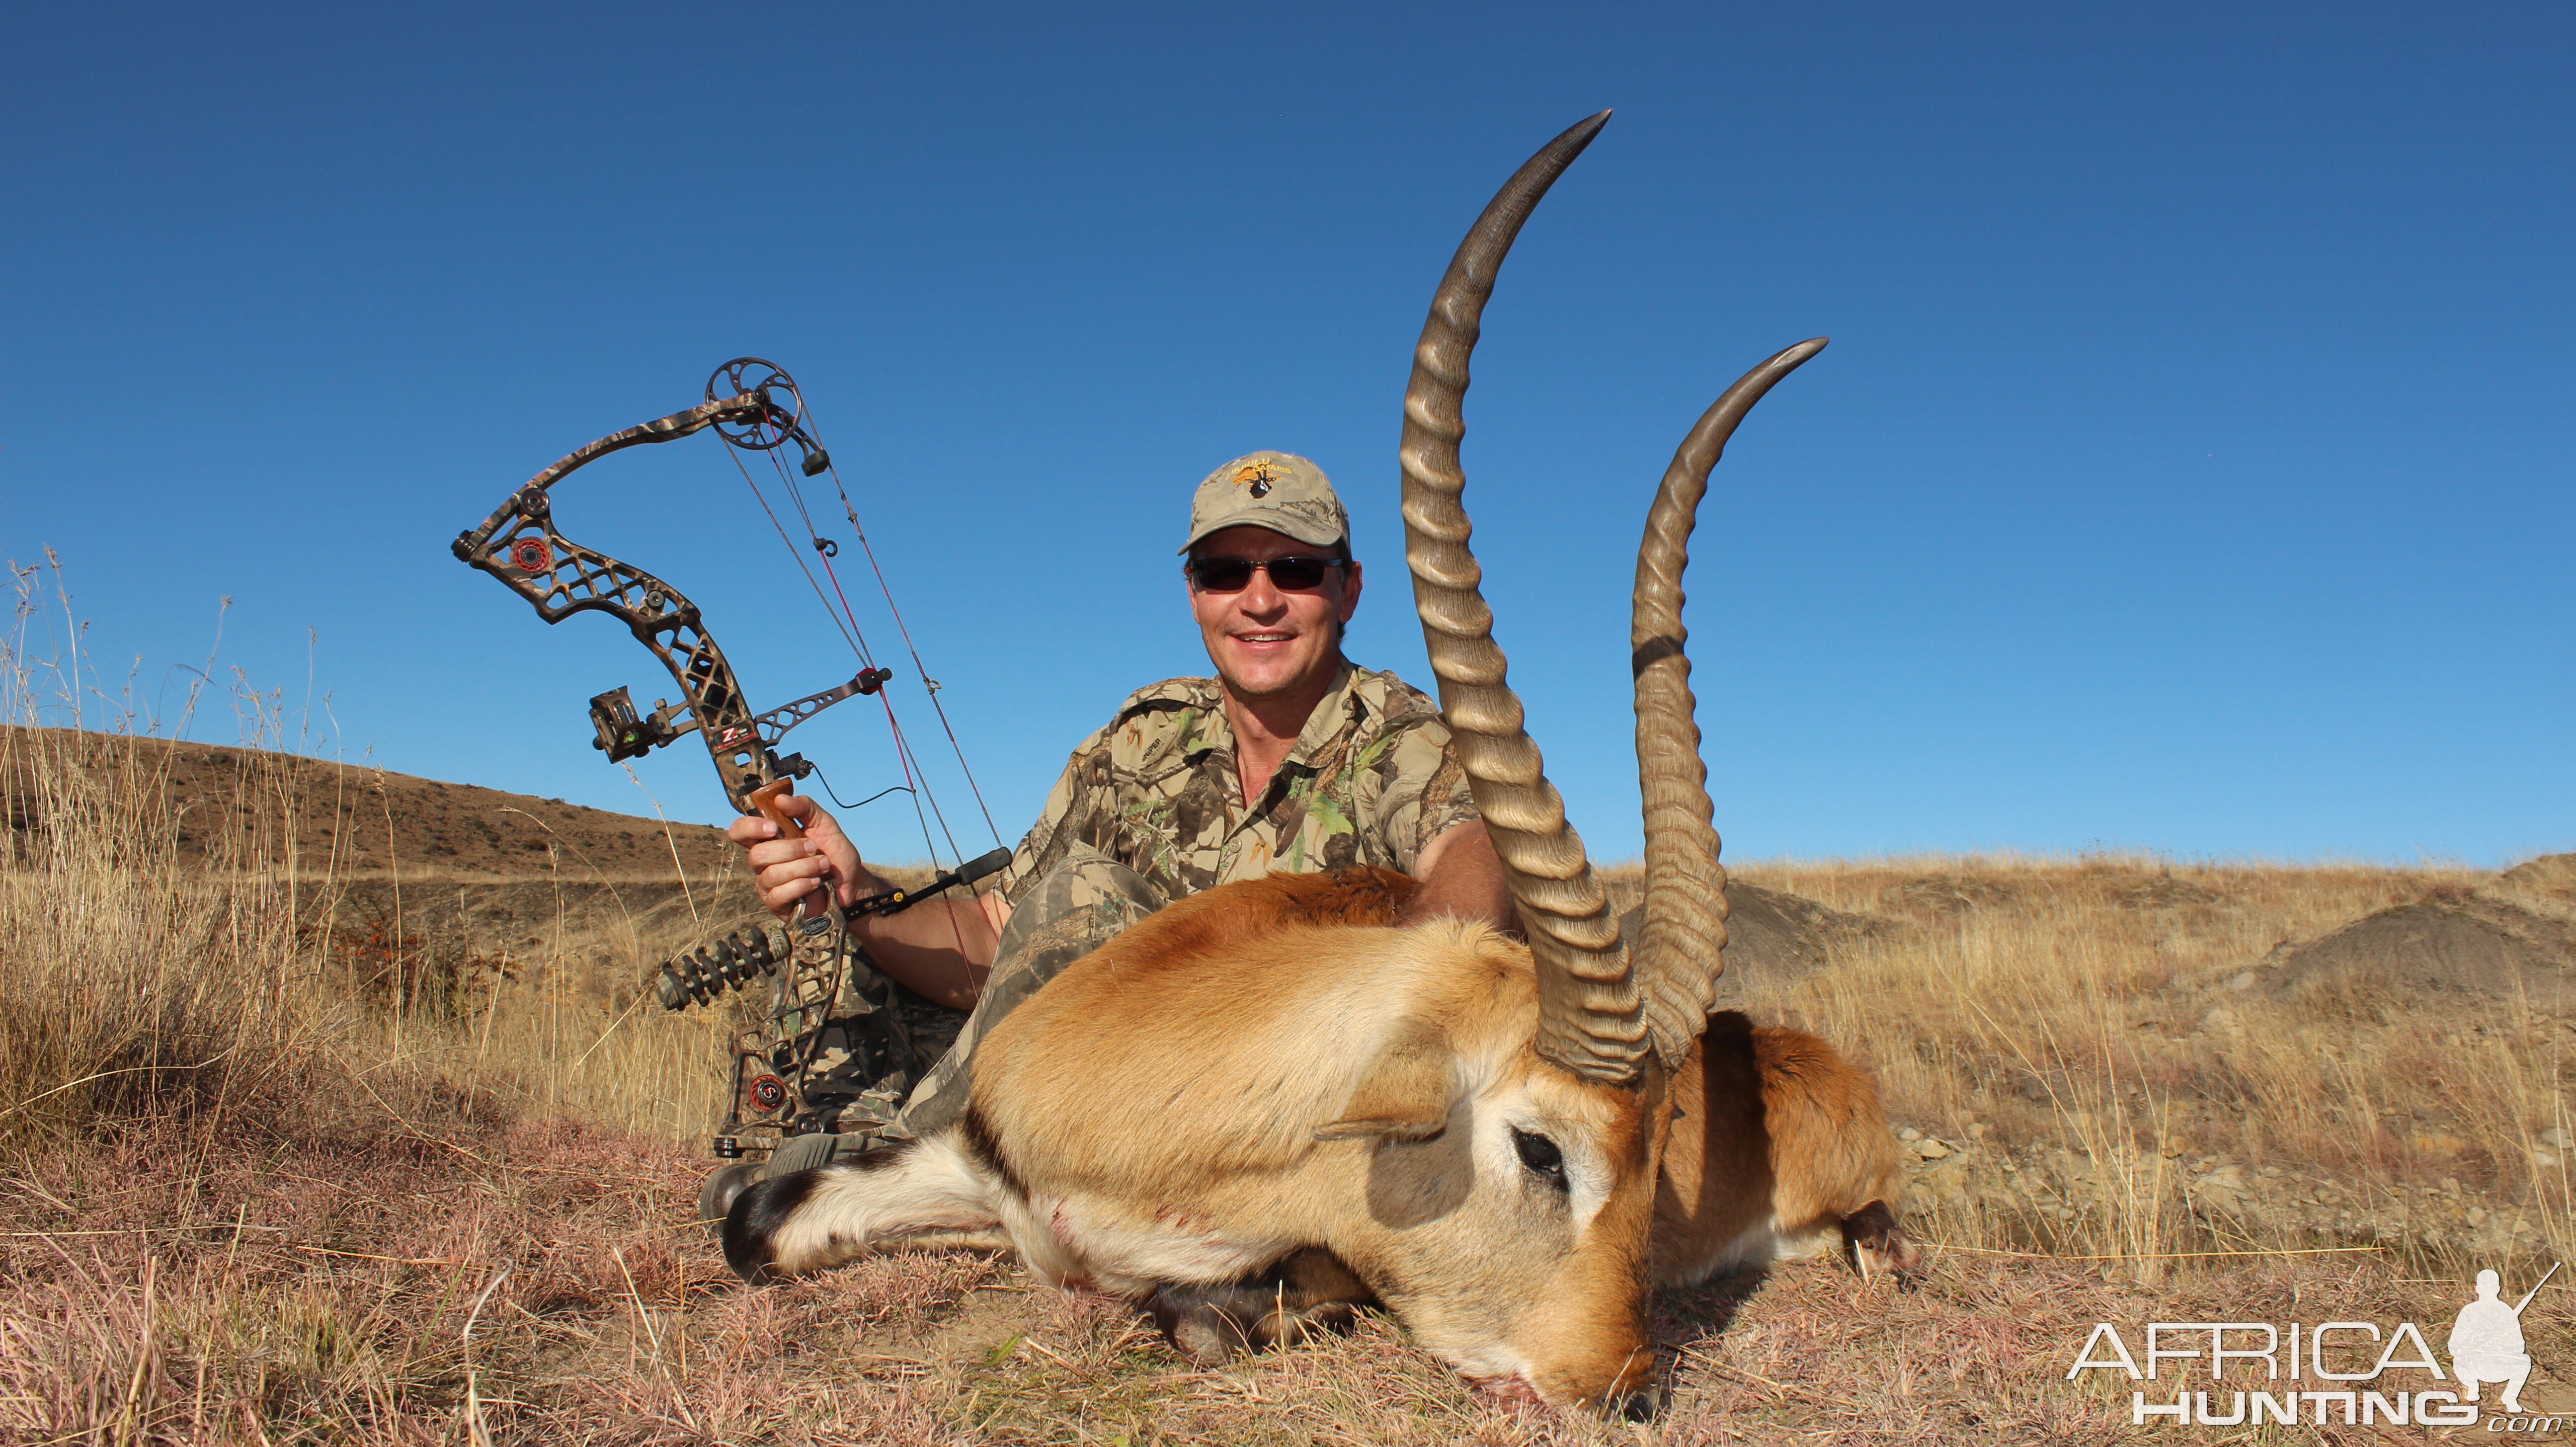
<point>765,799</point>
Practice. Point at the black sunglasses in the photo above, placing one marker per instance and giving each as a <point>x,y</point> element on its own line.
<point>1233,575</point>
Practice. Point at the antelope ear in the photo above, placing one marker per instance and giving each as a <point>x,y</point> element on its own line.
<point>1404,1092</point>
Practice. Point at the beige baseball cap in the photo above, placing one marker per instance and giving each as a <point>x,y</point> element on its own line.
<point>1276,490</point>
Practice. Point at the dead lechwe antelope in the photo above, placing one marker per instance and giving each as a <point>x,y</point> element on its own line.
<point>1262,1106</point>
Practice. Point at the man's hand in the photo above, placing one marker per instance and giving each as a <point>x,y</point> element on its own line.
<point>791,870</point>
<point>940,948</point>
<point>1462,876</point>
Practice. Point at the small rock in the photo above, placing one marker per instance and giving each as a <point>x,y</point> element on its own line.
<point>1930,1149</point>
<point>2556,1138</point>
<point>2217,1201</point>
<point>1909,1133</point>
<point>1976,1130</point>
<point>2477,1215</point>
<point>2243,981</point>
<point>2545,1160</point>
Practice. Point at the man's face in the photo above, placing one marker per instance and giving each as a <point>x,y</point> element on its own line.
<point>1266,641</point>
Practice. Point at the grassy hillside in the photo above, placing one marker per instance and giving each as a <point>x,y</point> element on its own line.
<point>302,1140</point>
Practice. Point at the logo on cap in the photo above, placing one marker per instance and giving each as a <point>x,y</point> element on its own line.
<point>1258,478</point>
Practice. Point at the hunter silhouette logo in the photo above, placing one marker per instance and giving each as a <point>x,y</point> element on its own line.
<point>2363,1366</point>
<point>1258,478</point>
<point>2486,1341</point>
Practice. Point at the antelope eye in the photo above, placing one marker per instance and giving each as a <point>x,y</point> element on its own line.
<point>1541,1156</point>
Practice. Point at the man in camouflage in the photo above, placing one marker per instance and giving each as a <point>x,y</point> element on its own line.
<point>1290,759</point>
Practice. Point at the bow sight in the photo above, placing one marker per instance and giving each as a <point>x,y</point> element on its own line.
<point>624,735</point>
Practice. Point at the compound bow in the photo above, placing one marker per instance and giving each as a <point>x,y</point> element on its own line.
<point>758,411</point>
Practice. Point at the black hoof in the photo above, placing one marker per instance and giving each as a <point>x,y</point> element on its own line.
<point>1640,1405</point>
<point>1878,1244</point>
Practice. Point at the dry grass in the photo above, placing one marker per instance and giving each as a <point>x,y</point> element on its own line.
<point>2100,1044</point>
<point>544,1290</point>
<point>277,1176</point>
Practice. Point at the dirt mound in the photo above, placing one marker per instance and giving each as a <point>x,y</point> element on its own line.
<point>2551,875</point>
<point>1784,935</point>
<point>2485,948</point>
<point>1772,936</point>
<point>1947,895</point>
<point>351,820</point>
<point>445,875</point>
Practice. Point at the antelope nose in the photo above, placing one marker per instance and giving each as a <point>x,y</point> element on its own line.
<point>1640,1405</point>
<point>715,1197</point>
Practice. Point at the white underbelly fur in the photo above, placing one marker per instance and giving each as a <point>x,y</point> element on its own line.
<point>1085,1240</point>
<point>1760,1244</point>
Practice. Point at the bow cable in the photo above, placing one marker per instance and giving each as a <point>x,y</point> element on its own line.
<point>845,618</point>
<point>849,630</point>
<point>930,686</point>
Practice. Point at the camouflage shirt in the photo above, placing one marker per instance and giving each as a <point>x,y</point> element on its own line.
<point>1372,780</point>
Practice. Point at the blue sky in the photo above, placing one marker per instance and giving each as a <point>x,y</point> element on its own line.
<point>2190,470</point>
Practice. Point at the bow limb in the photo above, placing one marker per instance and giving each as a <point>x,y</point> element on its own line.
<point>519,545</point>
<point>750,406</point>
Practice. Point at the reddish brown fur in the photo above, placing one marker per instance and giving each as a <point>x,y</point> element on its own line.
<point>1191,929</point>
<point>1266,1067</point>
<point>1800,1134</point>
<point>1777,1142</point>
<point>1264,1074</point>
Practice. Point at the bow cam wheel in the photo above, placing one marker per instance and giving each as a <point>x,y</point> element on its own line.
<point>782,410</point>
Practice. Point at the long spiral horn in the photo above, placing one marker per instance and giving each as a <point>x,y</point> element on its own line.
<point>1677,957</point>
<point>1591,1019</point>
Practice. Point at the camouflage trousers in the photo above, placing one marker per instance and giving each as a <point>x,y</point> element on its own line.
<point>853,1053</point>
<point>1075,908</point>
